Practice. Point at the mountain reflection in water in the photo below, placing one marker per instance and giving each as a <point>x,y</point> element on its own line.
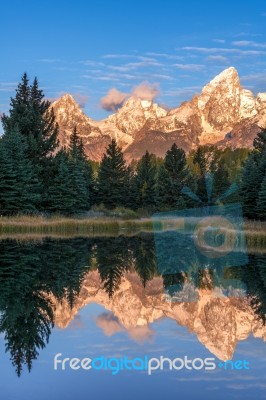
<point>46,283</point>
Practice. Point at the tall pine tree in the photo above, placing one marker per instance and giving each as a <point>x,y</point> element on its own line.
<point>145,182</point>
<point>32,115</point>
<point>252,186</point>
<point>19,186</point>
<point>173,176</point>
<point>112,177</point>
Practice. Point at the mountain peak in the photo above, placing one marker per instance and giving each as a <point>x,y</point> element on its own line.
<point>228,79</point>
<point>66,99</point>
<point>227,74</point>
<point>140,124</point>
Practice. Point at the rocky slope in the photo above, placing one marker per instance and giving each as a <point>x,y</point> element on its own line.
<point>223,113</point>
<point>218,322</point>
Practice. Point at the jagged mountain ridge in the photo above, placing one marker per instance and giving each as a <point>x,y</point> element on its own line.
<point>218,322</point>
<point>223,113</point>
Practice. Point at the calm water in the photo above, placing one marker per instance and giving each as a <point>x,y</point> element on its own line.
<point>108,297</point>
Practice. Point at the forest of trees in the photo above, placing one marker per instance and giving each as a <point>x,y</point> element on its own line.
<point>37,176</point>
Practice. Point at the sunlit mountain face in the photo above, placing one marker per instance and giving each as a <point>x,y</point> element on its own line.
<point>107,296</point>
<point>224,113</point>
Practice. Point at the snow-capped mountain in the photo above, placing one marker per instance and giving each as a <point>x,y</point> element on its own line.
<point>219,322</point>
<point>223,113</point>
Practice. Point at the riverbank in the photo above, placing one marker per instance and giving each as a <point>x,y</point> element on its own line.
<point>61,226</point>
<point>37,227</point>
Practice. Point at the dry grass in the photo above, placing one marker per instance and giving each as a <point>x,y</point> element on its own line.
<point>37,228</point>
<point>70,227</point>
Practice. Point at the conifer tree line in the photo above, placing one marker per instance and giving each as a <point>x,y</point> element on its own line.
<point>37,176</point>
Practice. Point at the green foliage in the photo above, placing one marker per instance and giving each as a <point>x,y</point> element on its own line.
<point>222,165</point>
<point>173,176</point>
<point>261,200</point>
<point>19,186</point>
<point>253,180</point>
<point>113,178</point>
<point>36,177</point>
<point>72,181</point>
<point>29,272</point>
<point>145,182</point>
<point>32,116</point>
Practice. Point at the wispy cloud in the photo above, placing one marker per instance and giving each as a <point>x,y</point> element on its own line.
<point>256,78</point>
<point>113,100</point>
<point>7,86</point>
<point>118,56</point>
<point>146,91</point>
<point>107,77</point>
<point>217,59</point>
<point>165,55</point>
<point>81,99</point>
<point>182,92</point>
<point>249,43</point>
<point>214,50</point>
<point>218,40</point>
<point>247,34</point>
<point>92,63</point>
<point>162,76</point>
<point>135,65</point>
<point>49,60</point>
<point>109,324</point>
<point>189,67</point>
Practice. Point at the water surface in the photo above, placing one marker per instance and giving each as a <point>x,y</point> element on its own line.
<point>107,297</point>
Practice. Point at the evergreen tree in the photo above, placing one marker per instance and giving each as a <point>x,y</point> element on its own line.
<point>261,201</point>
<point>252,183</point>
<point>205,159</point>
<point>112,177</point>
<point>34,119</point>
<point>173,176</point>
<point>19,186</point>
<point>145,182</point>
<point>82,167</point>
<point>221,182</point>
<point>61,198</point>
<point>114,259</point>
<point>259,142</point>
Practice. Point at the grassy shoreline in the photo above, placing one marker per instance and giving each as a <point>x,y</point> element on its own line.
<point>37,228</point>
<point>72,226</point>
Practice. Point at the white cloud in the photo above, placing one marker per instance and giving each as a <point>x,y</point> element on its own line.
<point>113,100</point>
<point>189,67</point>
<point>140,334</point>
<point>7,86</point>
<point>213,50</point>
<point>182,92</point>
<point>92,63</point>
<point>251,43</point>
<point>256,78</point>
<point>81,99</point>
<point>218,40</point>
<point>146,91</point>
<point>217,59</point>
<point>118,56</point>
<point>109,324</point>
<point>49,60</point>
<point>165,55</point>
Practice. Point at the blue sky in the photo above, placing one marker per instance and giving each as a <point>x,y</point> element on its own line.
<point>85,338</point>
<point>87,48</point>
